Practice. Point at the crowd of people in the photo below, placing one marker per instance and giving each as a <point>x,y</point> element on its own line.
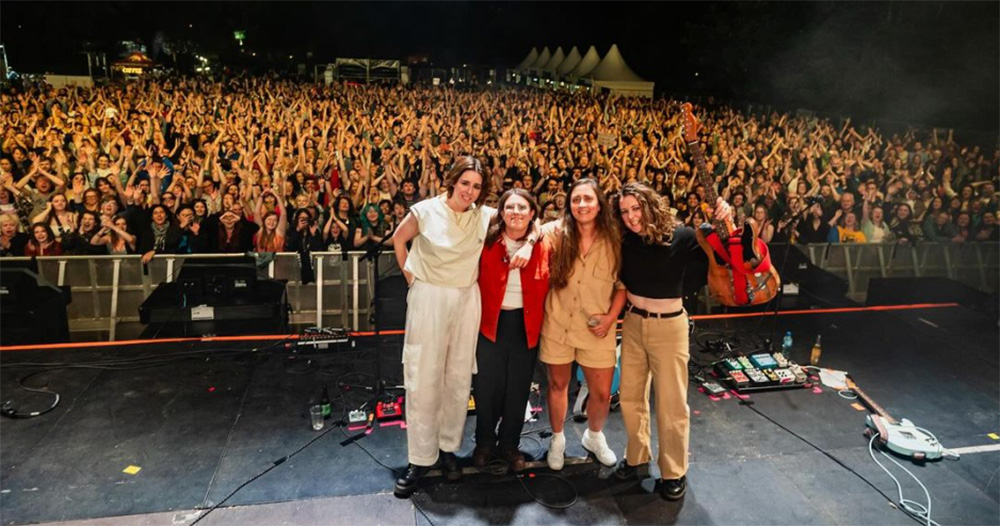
<point>265,165</point>
<point>525,222</point>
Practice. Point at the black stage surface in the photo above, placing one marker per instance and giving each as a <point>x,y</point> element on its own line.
<point>201,426</point>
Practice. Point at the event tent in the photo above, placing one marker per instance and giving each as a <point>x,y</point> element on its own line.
<point>570,62</point>
<point>589,61</point>
<point>614,74</point>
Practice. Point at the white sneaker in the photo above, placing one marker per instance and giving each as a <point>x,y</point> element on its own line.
<point>598,445</point>
<point>557,451</point>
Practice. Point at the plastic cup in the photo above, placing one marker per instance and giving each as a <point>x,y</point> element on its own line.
<point>316,417</point>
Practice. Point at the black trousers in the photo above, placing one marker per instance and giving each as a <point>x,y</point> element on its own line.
<point>504,382</point>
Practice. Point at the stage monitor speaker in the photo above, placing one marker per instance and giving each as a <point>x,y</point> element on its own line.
<point>390,303</point>
<point>217,281</point>
<point>31,310</point>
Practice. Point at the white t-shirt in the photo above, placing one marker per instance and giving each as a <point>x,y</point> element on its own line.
<point>513,297</point>
<point>447,249</point>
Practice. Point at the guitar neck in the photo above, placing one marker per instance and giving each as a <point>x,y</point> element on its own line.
<point>708,183</point>
<point>871,403</point>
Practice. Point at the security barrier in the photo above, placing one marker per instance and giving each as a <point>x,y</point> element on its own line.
<point>107,290</point>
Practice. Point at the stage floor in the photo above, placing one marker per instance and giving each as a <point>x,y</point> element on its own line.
<point>199,426</point>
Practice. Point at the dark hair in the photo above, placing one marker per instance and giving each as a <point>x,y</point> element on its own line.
<point>497,224</point>
<point>464,164</point>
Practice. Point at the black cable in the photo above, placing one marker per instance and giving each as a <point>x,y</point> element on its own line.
<point>267,470</point>
<point>750,405</point>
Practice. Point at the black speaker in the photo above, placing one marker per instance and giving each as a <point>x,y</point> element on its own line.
<point>217,280</point>
<point>390,303</point>
<point>815,284</point>
<point>31,312</point>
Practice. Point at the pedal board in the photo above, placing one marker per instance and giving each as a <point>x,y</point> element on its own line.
<point>759,372</point>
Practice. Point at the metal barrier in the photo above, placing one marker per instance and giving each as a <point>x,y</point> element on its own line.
<point>107,290</point>
<point>975,264</point>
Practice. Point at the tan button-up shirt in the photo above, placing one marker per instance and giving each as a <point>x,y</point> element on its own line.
<point>591,286</point>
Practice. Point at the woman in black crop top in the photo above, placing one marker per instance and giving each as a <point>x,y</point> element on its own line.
<point>655,251</point>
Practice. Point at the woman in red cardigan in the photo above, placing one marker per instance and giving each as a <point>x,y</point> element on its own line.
<point>513,304</point>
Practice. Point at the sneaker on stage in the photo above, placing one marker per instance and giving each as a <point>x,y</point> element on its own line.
<point>557,451</point>
<point>598,445</point>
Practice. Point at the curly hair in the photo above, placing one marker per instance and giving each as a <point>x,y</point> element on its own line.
<point>658,221</point>
<point>567,244</point>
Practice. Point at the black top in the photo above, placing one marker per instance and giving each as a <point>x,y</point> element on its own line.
<point>656,270</point>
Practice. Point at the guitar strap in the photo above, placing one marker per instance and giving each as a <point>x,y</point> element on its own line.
<point>732,254</point>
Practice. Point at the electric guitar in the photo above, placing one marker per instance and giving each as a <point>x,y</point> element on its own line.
<point>739,266</point>
<point>900,436</point>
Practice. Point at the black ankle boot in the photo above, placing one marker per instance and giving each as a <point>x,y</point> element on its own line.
<point>449,466</point>
<point>408,483</point>
<point>673,489</point>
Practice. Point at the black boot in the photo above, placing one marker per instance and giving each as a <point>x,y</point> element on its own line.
<point>673,489</point>
<point>408,483</point>
<point>449,466</point>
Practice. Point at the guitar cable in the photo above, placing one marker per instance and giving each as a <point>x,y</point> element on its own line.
<point>910,508</point>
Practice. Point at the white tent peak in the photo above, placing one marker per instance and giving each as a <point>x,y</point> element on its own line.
<point>542,59</point>
<point>614,68</point>
<point>589,61</point>
<point>556,59</point>
<point>570,62</point>
<point>528,60</point>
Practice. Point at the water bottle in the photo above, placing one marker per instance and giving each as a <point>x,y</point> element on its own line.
<point>786,345</point>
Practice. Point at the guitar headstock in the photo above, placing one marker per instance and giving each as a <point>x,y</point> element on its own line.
<point>689,123</point>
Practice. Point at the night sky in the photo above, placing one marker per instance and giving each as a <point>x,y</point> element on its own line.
<point>927,63</point>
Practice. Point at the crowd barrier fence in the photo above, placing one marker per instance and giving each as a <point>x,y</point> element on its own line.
<point>107,290</point>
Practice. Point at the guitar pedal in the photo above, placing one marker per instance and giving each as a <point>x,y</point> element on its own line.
<point>798,373</point>
<point>784,375</point>
<point>740,379</point>
<point>763,361</point>
<point>732,365</point>
<point>393,409</point>
<point>756,376</point>
<point>713,388</point>
<point>771,375</point>
<point>745,363</point>
<point>780,359</point>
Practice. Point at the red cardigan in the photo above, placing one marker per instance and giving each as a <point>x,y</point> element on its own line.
<point>493,274</point>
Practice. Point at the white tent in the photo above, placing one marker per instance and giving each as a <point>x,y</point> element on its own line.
<point>615,75</point>
<point>541,60</point>
<point>569,62</point>
<point>554,62</point>
<point>589,61</point>
<point>528,60</point>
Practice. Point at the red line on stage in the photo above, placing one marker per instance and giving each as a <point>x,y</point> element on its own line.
<point>84,345</point>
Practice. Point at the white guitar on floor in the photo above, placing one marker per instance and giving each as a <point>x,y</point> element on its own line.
<point>899,436</point>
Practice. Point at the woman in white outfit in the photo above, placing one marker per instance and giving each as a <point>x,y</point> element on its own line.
<point>443,316</point>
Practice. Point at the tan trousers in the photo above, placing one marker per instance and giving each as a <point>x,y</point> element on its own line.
<point>655,352</point>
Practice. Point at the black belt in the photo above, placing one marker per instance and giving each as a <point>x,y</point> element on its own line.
<point>646,314</point>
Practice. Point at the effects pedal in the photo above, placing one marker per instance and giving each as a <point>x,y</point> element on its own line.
<point>784,375</point>
<point>798,373</point>
<point>771,375</point>
<point>763,361</point>
<point>780,358</point>
<point>746,363</point>
<point>756,376</point>
<point>323,337</point>
<point>357,416</point>
<point>389,410</point>
<point>732,364</point>
<point>713,388</point>
<point>740,379</point>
